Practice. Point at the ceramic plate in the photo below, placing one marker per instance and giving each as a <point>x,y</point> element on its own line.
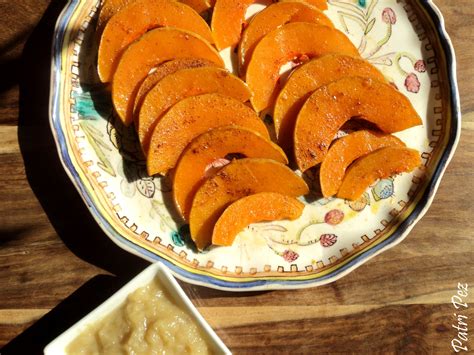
<point>405,39</point>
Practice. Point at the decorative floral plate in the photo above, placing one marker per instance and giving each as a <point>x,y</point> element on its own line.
<point>405,39</point>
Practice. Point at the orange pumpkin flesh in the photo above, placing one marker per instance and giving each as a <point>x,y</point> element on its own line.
<point>273,17</point>
<point>227,20</point>
<point>199,6</point>
<point>306,79</point>
<point>379,164</point>
<point>111,7</point>
<point>107,10</point>
<point>163,70</point>
<point>264,206</point>
<point>347,149</point>
<point>238,179</point>
<point>153,48</point>
<point>320,4</point>
<point>135,19</point>
<point>329,107</point>
<point>208,148</point>
<point>191,117</point>
<point>289,42</point>
<point>185,83</point>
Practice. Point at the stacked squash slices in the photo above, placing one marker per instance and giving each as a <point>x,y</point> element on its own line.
<point>200,123</point>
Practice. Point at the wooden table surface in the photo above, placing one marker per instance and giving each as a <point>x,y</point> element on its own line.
<point>50,277</point>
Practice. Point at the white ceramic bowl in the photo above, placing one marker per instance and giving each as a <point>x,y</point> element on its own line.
<point>59,345</point>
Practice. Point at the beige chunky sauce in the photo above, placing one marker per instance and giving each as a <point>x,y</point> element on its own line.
<point>147,323</point>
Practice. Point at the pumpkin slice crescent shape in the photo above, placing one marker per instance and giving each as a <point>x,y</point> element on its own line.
<point>379,164</point>
<point>228,17</point>
<point>153,48</point>
<point>107,10</point>
<point>200,6</point>
<point>329,107</point>
<point>236,180</point>
<point>138,17</point>
<point>206,149</point>
<point>272,17</point>
<point>111,7</point>
<point>264,206</point>
<point>181,84</point>
<point>285,44</point>
<point>347,149</point>
<point>190,118</point>
<point>320,4</point>
<point>306,79</point>
<point>160,72</point>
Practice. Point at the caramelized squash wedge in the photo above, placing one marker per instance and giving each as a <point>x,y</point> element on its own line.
<point>306,79</point>
<point>111,7</point>
<point>210,147</point>
<point>181,84</point>
<point>228,18</point>
<point>154,48</point>
<point>264,206</point>
<point>329,107</point>
<point>273,17</point>
<point>200,6</point>
<point>287,43</point>
<point>379,164</point>
<point>320,4</point>
<point>107,10</point>
<point>138,17</point>
<point>347,149</point>
<point>238,179</point>
<point>190,118</point>
<point>163,70</point>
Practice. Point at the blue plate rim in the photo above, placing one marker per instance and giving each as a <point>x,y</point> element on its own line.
<point>268,284</point>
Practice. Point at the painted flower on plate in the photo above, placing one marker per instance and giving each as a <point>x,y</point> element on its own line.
<point>328,240</point>
<point>420,66</point>
<point>388,16</point>
<point>290,255</point>
<point>412,83</point>
<point>334,217</point>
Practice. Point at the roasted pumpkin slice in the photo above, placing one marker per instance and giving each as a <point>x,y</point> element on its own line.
<point>138,17</point>
<point>160,72</point>
<point>273,17</point>
<point>379,164</point>
<point>111,7</point>
<point>287,43</point>
<point>307,78</point>
<point>182,84</point>
<point>238,179</point>
<point>199,6</point>
<point>329,107</point>
<point>264,206</point>
<point>153,48</point>
<point>347,149</point>
<point>107,10</point>
<point>320,4</point>
<point>213,148</point>
<point>191,117</point>
<point>228,18</point>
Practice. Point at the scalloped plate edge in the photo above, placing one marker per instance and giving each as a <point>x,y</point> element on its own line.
<point>271,284</point>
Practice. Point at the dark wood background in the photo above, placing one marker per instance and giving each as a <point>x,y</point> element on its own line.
<point>56,264</point>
